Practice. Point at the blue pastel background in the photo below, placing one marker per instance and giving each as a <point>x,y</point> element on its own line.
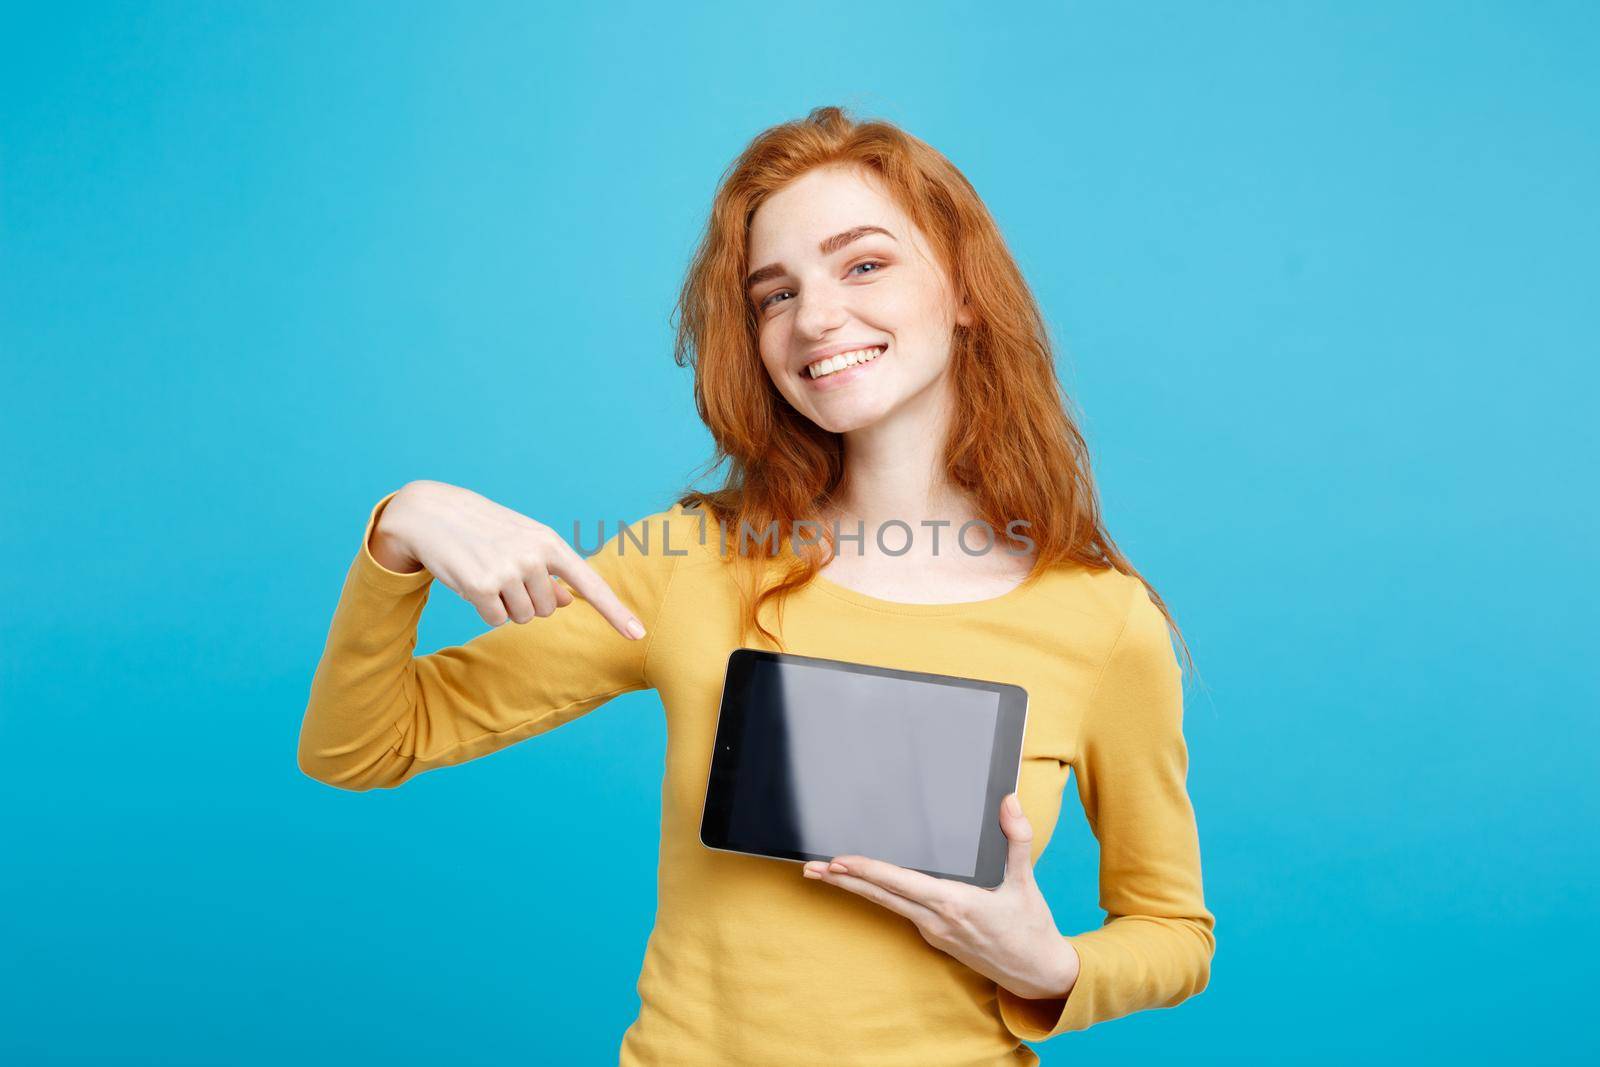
<point>1323,280</point>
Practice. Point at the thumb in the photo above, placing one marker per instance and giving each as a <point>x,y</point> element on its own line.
<point>1019,832</point>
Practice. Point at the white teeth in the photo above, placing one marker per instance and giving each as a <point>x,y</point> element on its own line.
<point>823,367</point>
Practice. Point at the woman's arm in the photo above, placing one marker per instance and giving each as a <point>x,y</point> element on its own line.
<point>1155,947</point>
<point>378,715</point>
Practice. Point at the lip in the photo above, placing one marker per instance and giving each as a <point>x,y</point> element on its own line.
<point>844,377</point>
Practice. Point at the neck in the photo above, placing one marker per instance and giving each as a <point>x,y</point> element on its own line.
<point>894,469</point>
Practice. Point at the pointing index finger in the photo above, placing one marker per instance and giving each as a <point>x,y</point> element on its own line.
<point>587,583</point>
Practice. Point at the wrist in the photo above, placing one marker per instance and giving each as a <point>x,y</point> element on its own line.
<point>389,550</point>
<point>1071,965</point>
<point>391,557</point>
<point>1056,976</point>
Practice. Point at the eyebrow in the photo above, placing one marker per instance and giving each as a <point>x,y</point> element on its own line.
<point>827,248</point>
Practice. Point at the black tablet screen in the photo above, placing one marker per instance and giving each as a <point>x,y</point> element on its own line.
<point>831,762</point>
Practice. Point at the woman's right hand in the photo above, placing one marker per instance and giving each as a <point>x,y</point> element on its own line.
<point>501,562</point>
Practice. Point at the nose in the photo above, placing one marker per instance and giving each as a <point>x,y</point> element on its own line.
<point>820,311</point>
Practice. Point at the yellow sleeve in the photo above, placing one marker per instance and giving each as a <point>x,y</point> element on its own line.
<point>378,715</point>
<point>1155,946</point>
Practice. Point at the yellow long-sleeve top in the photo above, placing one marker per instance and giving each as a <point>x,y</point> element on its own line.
<point>749,963</point>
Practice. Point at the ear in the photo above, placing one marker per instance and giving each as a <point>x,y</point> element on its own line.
<point>964,315</point>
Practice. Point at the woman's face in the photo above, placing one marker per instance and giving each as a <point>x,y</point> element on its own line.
<point>823,284</point>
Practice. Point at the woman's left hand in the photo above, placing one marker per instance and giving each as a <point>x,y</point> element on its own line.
<point>1006,933</point>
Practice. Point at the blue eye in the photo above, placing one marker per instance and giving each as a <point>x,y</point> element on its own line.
<point>863,263</point>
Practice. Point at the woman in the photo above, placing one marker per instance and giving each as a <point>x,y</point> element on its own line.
<point>827,236</point>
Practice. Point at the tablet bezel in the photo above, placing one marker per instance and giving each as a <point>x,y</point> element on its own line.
<point>1005,759</point>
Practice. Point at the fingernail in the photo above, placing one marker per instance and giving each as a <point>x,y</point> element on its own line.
<point>635,629</point>
<point>1013,805</point>
<point>838,868</point>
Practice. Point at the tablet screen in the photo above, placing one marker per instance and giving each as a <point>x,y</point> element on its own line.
<point>824,758</point>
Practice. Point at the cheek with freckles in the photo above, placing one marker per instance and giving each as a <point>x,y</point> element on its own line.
<point>914,315</point>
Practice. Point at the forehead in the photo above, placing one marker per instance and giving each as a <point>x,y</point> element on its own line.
<point>822,202</point>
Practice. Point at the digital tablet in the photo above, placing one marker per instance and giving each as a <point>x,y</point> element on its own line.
<point>817,758</point>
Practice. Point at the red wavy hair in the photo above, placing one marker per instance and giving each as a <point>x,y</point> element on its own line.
<point>1014,447</point>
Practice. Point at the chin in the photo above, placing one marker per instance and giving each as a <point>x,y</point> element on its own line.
<point>847,417</point>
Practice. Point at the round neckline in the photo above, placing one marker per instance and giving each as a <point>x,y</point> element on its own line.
<point>904,607</point>
<point>829,587</point>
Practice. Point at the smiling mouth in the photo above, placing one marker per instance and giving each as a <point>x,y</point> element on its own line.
<point>822,368</point>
